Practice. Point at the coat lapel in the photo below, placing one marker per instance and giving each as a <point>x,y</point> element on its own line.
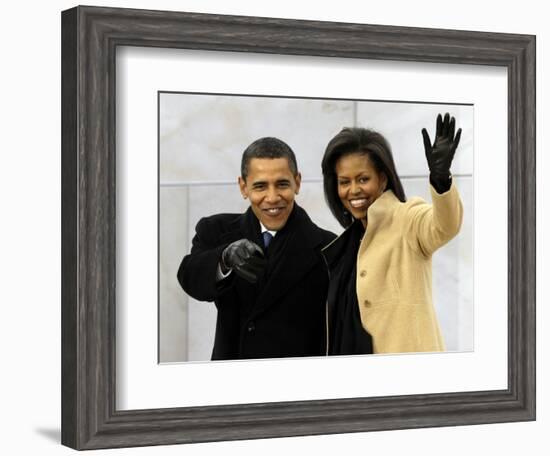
<point>294,254</point>
<point>379,216</point>
<point>245,226</point>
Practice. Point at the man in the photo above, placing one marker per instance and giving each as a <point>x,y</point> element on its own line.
<point>270,295</point>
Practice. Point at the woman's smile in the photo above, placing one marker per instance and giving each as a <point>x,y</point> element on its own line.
<point>358,203</point>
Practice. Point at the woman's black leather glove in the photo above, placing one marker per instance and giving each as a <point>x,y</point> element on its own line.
<point>246,258</point>
<point>440,155</point>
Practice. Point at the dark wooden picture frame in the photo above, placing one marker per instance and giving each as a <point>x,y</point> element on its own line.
<point>90,36</point>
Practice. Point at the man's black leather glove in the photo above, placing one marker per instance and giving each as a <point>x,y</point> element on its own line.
<point>246,258</point>
<point>441,154</point>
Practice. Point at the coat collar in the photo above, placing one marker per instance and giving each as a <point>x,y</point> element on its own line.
<point>302,241</point>
<point>299,241</point>
<point>298,225</point>
<point>379,213</point>
<point>340,246</point>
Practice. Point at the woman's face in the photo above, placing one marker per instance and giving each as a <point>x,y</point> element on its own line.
<point>359,184</point>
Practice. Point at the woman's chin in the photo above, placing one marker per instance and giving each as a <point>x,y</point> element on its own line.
<point>359,214</point>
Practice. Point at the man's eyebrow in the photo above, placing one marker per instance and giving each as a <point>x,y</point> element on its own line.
<point>258,183</point>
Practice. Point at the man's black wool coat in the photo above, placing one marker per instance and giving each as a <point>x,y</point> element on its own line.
<point>284,313</point>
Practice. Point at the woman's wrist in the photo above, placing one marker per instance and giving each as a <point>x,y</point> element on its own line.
<point>441,182</point>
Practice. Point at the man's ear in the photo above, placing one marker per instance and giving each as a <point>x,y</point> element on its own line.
<point>242,187</point>
<point>298,180</point>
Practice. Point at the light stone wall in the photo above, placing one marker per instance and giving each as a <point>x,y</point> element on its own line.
<point>202,138</point>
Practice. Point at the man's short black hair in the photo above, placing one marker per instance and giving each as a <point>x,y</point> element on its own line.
<point>268,147</point>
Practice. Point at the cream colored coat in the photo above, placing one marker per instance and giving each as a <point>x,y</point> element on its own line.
<point>394,269</point>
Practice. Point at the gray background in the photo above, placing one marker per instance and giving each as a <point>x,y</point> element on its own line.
<point>201,140</point>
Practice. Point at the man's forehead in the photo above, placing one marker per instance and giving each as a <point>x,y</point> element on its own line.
<point>269,168</point>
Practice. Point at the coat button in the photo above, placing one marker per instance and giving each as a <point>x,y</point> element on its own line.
<point>367,303</point>
<point>363,273</point>
<point>251,327</point>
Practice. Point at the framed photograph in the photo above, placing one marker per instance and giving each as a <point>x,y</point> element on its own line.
<point>157,108</point>
<point>201,139</point>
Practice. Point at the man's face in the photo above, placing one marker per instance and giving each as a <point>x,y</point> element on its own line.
<point>270,186</point>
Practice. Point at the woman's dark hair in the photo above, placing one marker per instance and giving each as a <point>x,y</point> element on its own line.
<point>349,141</point>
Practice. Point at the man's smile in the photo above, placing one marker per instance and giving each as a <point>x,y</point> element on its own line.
<point>273,211</point>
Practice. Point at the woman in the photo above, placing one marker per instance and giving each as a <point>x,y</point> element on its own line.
<point>380,292</point>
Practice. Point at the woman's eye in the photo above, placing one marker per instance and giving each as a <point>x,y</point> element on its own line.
<point>364,180</point>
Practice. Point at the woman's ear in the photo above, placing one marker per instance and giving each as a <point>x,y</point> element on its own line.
<point>383,182</point>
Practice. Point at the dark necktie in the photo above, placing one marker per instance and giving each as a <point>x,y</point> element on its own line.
<point>267,238</point>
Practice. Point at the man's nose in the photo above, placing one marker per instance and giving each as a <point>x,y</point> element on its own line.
<point>272,195</point>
